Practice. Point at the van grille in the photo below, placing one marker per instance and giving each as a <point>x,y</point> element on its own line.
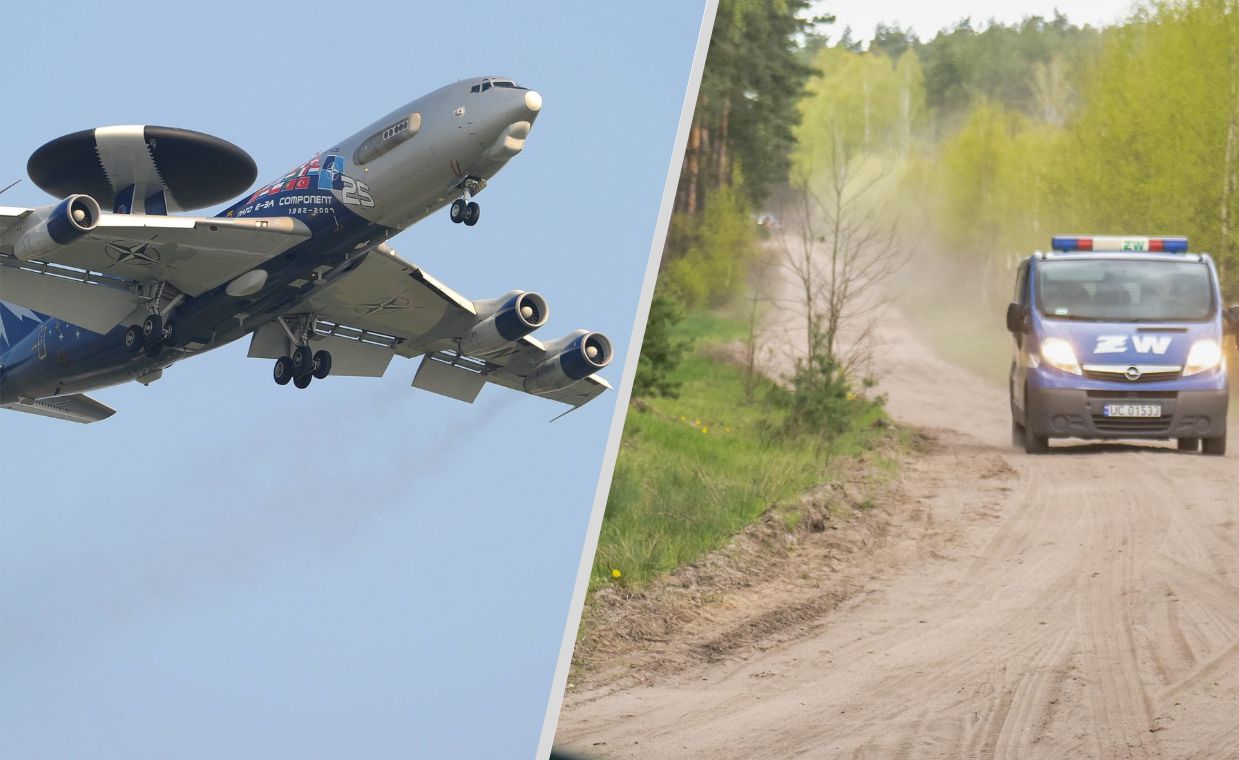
<point>1119,374</point>
<point>1141,425</point>
<point>1127,395</point>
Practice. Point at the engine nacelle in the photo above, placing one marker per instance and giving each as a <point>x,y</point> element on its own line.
<point>582,354</point>
<point>504,320</point>
<point>50,227</point>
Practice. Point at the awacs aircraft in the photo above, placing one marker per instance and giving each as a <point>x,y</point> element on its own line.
<point>95,298</point>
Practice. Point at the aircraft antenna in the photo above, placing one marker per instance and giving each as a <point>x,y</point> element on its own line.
<point>10,187</point>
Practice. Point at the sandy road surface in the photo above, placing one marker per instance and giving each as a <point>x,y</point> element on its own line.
<point>1087,607</point>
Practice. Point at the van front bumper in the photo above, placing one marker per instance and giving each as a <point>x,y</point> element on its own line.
<point>1063,412</point>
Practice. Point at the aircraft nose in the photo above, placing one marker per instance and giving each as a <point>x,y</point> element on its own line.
<point>533,101</point>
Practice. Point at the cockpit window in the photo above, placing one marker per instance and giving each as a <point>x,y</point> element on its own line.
<point>486,84</point>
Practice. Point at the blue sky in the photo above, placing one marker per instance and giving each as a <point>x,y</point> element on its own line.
<point>228,568</point>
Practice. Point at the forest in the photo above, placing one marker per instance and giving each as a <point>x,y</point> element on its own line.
<point>987,138</point>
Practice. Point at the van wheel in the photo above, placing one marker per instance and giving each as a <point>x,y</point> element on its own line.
<point>1189,444</point>
<point>1035,444</point>
<point>1017,434</point>
<point>1215,447</point>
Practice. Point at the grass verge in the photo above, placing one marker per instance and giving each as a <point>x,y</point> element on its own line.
<point>694,471</point>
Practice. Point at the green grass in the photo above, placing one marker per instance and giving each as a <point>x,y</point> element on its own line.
<point>694,471</point>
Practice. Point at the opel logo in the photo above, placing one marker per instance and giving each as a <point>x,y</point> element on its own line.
<point>1133,373</point>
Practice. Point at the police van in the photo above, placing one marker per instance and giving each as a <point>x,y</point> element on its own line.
<point>1120,337</point>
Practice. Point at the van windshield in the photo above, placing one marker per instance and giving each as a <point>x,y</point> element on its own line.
<point>1122,290</point>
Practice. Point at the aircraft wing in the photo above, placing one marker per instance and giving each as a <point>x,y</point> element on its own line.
<point>386,295</point>
<point>387,306</point>
<point>193,254</point>
<point>451,369</point>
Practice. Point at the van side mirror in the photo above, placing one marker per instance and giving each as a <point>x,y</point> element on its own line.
<point>1016,315</point>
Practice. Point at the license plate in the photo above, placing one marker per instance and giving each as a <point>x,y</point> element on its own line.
<point>1132,410</point>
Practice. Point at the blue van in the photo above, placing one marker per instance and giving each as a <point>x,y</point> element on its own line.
<point>1119,337</point>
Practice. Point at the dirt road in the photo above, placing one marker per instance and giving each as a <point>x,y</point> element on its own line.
<point>1084,605</point>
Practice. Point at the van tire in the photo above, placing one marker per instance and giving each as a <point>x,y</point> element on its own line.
<point>1017,434</point>
<point>1189,444</point>
<point>1215,447</point>
<point>1033,444</point>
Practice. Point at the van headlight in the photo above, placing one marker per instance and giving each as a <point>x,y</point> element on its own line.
<point>1204,356</point>
<point>1059,354</point>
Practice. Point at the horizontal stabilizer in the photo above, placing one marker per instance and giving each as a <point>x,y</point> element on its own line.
<point>75,408</point>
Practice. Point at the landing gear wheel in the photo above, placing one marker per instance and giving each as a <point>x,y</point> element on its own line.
<point>153,350</point>
<point>152,329</point>
<point>303,361</point>
<point>1189,444</point>
<point>473,212</point>
<point>133,339</point>
<point>1214,447</point>
<point>283,371</point>
<point>322,364</point>
<point>459,212</point>
<point>302,381</point>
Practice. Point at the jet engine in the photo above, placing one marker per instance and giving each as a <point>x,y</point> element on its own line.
<point>50,227</point>
<point>582,353</point>
<point>502,321</point>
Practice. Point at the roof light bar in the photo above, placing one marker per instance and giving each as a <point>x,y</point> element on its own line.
<point>1120,244</point>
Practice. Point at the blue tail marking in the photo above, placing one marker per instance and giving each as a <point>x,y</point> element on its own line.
<point>16,322</point>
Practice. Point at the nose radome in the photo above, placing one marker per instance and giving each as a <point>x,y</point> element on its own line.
<point>533,101</point>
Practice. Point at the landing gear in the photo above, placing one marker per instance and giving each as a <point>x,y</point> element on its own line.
<point>151,338</point>
<point>152,329</point>
<point>283,370</point>
<point>303,361</point>
<point>468,212</point>
<point>302,367</point>
<point>134,341</point>
<point>322,364</point>
<point>155,334</point>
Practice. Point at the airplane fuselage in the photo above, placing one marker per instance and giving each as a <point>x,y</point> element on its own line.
<point>351,197</point>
